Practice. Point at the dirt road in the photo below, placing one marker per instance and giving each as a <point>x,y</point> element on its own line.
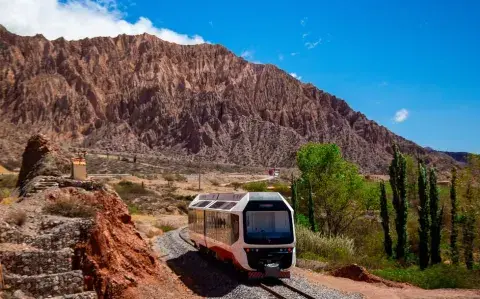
<point>380,291</point>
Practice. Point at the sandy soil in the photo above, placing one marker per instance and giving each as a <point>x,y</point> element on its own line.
<point>380,291</point>
<point>3,170</point>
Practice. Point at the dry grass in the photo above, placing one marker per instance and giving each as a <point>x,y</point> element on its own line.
<point>214,182</point>
<point>164,225</point>
<point>330,248</point>
<point>16,217</point>
<point>70,208</point>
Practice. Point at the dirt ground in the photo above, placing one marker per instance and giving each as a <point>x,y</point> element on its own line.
<point>212,182</point>
<point>380,291</point>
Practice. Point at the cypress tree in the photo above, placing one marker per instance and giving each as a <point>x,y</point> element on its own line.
<point>454,229</point>
<point>469,229</point>
<point>436,218</point>
<point>311,212</point>
<point>423,213</point>
<point>398,182</point>
<point>293,188</point>
<point>387,242</point>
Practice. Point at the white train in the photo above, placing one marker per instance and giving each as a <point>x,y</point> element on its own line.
<point>255,231</point>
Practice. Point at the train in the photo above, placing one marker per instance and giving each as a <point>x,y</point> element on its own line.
<point>254,231</point>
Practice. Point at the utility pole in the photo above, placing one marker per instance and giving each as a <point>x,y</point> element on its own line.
<point>199,184</point>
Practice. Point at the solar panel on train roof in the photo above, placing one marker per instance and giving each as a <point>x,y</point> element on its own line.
<point>203,203</point>
<point>217,205</point>
<point>228,206</point>
<point>264,196</point>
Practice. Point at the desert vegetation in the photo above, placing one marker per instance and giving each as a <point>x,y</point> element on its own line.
<point>408,229</point>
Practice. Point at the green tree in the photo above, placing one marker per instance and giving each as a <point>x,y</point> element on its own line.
<point>454,220</point>
<point>412,181</point>
<point>468,222</point>
<point>423,216</point>
<point>293,187</point>
<point>387,240</point>
<point>311,209</point>
<point>337,188</point>
<point>436,219</point>
<point>398,182</point>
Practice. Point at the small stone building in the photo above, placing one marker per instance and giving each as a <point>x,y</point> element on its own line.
<point>79,169</point>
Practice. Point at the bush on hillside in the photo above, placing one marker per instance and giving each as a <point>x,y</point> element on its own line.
<point>128,190</point>
<point>8,181</point>
<point>70,208</point>
<point>255,186</point>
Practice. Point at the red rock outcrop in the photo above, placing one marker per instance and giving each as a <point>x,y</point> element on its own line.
<point>141,93</point>
<point>40,158</point>
<point>115,260</point>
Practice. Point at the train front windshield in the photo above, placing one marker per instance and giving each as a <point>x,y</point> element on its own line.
<point>267,223</point>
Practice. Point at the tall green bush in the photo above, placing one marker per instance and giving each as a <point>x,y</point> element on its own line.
<point>387,240</point>
<point>311,209</point>
<point>337,189</point>
<point>454,220</point>
<point>423,216</point>
<point>469,228</point>
<point>398,182</point>
<point>293,187</point>
<point>436,219</point>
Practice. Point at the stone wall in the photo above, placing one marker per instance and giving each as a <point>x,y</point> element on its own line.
<point>37,262</point>
<point>48,284</point>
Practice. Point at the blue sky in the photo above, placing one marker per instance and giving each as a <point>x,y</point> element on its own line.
<point>380,56</point>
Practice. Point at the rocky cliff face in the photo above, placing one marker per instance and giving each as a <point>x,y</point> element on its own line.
<point>139,93</point>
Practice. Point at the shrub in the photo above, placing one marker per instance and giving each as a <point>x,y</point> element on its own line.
<point>165,226</point>
<point>330,248</point>
<point>282,188</point>
<point>5,192</point>
<point>437,276</point>
<point>236,185</point>
<point>182,206</point>
<point>70,208</point>
<point>133,209</point>
<point>8,181</point>
<point>214,182</point>
<point>260,186</point>
<point>180,178</point>
<point>16,217</point>
<point>128,190</point>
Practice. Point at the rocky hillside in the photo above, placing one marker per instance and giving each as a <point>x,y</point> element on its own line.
<point>139,93</point>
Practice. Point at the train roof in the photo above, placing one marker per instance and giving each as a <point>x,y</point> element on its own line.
<point>231,201</point>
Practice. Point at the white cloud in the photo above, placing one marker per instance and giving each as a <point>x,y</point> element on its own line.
<point>247,54</point>
<point>294,53</point>
<point>294,75</point>
<point>77,19</point>
<point>280,57</point>
<point>401,115</point>
<point>211,24</point>
<point>303,21</point>
<point>311,45</point>
<point>305,35</point>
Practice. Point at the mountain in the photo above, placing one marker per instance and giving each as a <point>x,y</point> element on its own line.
<point>460,157</point>
<point>139,93</point>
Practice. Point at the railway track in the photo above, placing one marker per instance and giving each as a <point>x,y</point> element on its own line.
<point>278,289</point>
<point>283,290</point>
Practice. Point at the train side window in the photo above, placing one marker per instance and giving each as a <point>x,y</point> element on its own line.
<point>235,228</point>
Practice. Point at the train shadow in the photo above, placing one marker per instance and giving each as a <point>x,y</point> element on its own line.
<point>204,275</point>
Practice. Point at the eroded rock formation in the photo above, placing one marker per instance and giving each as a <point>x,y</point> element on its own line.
<point>141,93</point>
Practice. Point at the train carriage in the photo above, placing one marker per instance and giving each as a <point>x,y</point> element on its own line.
<point>254,230</point>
